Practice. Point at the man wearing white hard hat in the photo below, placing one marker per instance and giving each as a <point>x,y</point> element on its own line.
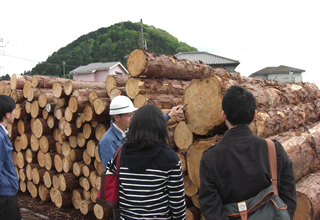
<point>121,112</point>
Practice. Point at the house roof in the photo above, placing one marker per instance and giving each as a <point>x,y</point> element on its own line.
<point>276,70</point>
<point>92,67</point>
<point>206,58</point>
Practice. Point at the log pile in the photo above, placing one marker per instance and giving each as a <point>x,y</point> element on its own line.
<point>59,123</point>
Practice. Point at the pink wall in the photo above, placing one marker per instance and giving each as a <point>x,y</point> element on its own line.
<point>99,76</point>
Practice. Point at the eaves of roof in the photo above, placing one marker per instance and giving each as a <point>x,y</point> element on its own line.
<point>206,58</point>
<point>93,67</point>
<point>276,70</point>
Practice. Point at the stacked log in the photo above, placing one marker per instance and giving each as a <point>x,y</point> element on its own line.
<point>60,123</point>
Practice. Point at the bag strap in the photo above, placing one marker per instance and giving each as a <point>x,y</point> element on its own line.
<point>272,155</point>
<point>115,156</point>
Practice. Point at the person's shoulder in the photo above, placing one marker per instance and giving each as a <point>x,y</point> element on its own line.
<point>170,154</point>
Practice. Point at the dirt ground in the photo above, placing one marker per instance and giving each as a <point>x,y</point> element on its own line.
<point>35,208</point>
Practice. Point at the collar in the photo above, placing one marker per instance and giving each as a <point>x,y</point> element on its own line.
<point>122,133</point>
<point>4,129</point>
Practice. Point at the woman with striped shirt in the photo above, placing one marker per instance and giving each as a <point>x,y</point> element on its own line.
<point>151,183</point>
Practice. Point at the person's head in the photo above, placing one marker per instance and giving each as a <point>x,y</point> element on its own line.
<point>7,109</point>
<point>121,111</point>
<point>148,127</point>
<point>238,105</point>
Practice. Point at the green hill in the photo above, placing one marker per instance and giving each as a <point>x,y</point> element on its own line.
<point>109,44</point>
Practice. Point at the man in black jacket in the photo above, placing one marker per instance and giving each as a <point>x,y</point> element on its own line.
<point>237,168</point>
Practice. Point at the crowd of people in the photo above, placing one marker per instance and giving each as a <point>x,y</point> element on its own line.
<point>151,181</point>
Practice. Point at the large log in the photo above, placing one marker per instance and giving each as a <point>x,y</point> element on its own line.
<point>68,181</point>
<point>77,197</point>
<point>144,63</point>
<point>114,81</point>
<point>18,81</point>
<point>308,194</point>
<point>71,85</point>
<point>162,101</point>
<point>135,86</point>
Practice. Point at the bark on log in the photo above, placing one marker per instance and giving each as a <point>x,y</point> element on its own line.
<point>71,85</point>
<point>77,168</point>
<point>101,106</point>
<point>135,86</point>
<point>47,178</point>
<point>17,95</point>
<point>117,91</point>
<point>31,156</point>
<point>86,206</point>
<point>32,189</point>
<point>49,158</point>
<point>91,146</point>
<point>40,128</point>
<point>193,213</point>
<point>87,170</point>
<point>47,143</point>
<point>24,126</point>
<point>144,63</point>
<point>44,193</point>
<point>18,81</point>
<point>94,94</point>
<point>159,100</point>
<point>76,154</point>
<point>102,212</point>
<point>37,175</point>
<point>63,199</point>
<point>39,81</point>
<point>68,181</point>
<point>308,193</point>
<point>29,168</point>
<point>78,103</point>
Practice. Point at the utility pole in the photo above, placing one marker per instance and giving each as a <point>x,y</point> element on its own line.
<point>63,63</point>
<point>141,33</point>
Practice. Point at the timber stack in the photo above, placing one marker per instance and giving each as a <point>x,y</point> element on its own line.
<point>60,122</point>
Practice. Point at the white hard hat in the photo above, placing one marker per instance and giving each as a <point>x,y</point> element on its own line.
<point>120,105</point>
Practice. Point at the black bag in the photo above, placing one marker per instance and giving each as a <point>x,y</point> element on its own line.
<point>266,204</point>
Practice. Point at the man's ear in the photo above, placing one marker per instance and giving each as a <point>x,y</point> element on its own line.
<point>116,117</point>
<point>255,114</point>
<point>224,116</point>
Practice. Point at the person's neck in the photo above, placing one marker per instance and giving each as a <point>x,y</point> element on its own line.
<point>121,127</point>
<point>4,124</point>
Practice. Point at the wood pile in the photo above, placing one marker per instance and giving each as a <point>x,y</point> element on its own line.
<point>59,123</point>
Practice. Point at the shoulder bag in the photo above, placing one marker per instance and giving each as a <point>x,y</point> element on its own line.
<point>108,195</point>
<point>266,204</point>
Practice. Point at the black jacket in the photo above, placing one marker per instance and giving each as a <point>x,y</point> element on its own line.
<point>237,169</point>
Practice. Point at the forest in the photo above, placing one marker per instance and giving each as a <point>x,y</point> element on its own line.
<point>109,44</point>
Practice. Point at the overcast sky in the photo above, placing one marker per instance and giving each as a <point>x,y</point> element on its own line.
<point>258,34</point>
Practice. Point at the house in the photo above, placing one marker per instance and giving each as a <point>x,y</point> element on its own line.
<point>280,73</point>
<point>98,72</point>
<point>209,59</point>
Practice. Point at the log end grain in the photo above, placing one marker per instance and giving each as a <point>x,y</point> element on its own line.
<point>136,62</point>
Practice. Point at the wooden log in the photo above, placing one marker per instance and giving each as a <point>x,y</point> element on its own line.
<point>31,156</point>
<point>87,170</point>
<point>49,158</point>
<point>86,206</point>
<point>12,130</point>
<point>28,107</point>
<point>14,157</point>
<point>94,94</point>
<point>78,103</point>
<point>67,164</point>
<point>91,146</point>
<point>18,81</point>
<point>76,154</point>
<point>96,155</point>
<point>77,168</point>
<point>26,87</point>
<point>22,174</point>
<point>33,190</point>
<point>85,184</point>
<point>162,101</point>
<point>58,90</point>
<point>22,186</point>
<point>117,91</point>
<point>60,102</point>
<point>21,112</point>
<point>73,141</point>
<point>114,81</point>
<point>34,94</point>
<point>69,115</point>
<point>40,81</point>
<point>21,159</point>
<point>29,169</point>
<point>101,212</point>
<point>52,122</point>
<point>308,202</point>
<point>37,175</point>
<point>24,126</point>
<point>183,136</point>
<point>94,194</point>
<point>47,178</point>
<point>45,114</point>
<point>25,140</point>
<point>101,106</point>
<point>35,143</point>
<point>63,199</point>
<point>58,163</point>
<point>88,131</point>
<point>194,156</point>
<point>81,141</point>
<point>183,162</point>
<point>44,193</point>
<point>193,213</point>
<point>135,86</point>
<point>101,129</point>
<point>195,201</point>
<point>17,144</point>
<point>77,197</point>
<point>55,181</point>
<point>41,158</point>
<point>80,120</point>
<point>59,112</point>
<point>40,128</point>
<point>70,129</point>
<point>65,149</point>
<point>45,98</point>
<point>90,114</point>
<point>142,62</point>
<point>86,157</point>
<point>98,182</point>
<point>47,143</point>
<point>72,85</point>
<point>93,178</point>
<point>17,95</point>
<point>68,181</point>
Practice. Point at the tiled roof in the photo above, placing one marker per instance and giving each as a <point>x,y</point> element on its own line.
<point>92,67</point>
<point>276,70</point>
<point>206,58</point>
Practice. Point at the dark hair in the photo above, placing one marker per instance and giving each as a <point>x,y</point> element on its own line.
<point>147,128</point>
<point>7,104</point>
<point>239,105</point>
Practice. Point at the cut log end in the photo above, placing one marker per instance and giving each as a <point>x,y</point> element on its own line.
<point>136,62</point>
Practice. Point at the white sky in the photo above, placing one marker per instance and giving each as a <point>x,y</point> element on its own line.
<point>257,33</point>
